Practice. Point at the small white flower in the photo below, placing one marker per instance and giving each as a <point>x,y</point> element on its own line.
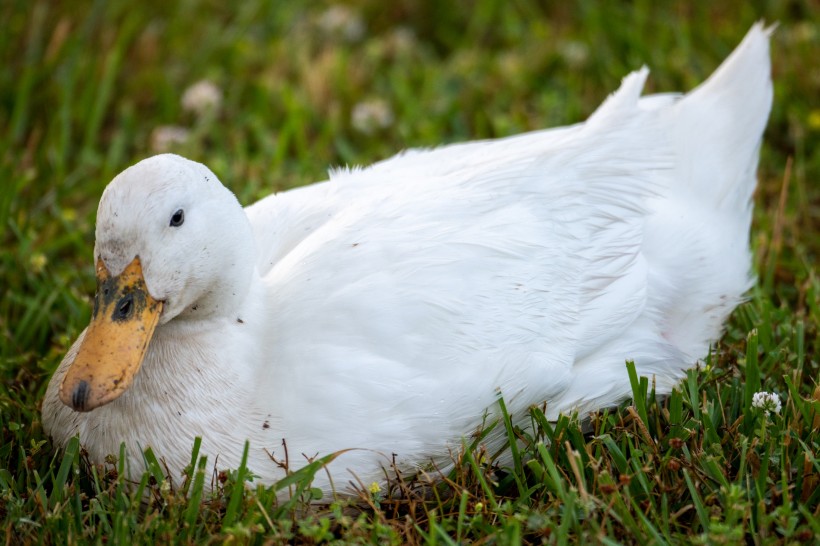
<point>201,97</point>
<point>767,401</point>
<point>341,20</point>
<point>402,40</point>
<point>371,115</point>
<point>574,53</point>
<point>166,136</point>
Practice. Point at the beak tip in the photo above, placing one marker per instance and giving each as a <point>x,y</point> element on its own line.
<point>79,395</point>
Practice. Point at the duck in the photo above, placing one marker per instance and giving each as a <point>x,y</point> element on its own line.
<point>380,315</point>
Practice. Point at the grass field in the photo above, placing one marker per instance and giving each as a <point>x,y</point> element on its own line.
<point>89,88</point>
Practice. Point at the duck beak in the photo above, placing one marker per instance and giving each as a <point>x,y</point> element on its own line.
<point>124,318</point>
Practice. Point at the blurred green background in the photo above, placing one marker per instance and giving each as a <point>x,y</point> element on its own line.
<point>89,88</point>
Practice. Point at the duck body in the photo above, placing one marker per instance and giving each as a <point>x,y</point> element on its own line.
<point>387,309</point>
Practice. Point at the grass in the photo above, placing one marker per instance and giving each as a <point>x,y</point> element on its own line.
<point>85,85</point>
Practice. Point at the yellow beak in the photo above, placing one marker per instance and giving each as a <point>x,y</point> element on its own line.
<point>124,318</point>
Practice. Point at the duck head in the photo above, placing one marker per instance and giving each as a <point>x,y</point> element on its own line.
<point>173,245</point>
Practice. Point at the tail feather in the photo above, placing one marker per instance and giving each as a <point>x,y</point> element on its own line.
<point>718,126</point>
<point>716,132</point>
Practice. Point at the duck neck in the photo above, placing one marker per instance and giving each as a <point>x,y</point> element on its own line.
<point>204,370</point>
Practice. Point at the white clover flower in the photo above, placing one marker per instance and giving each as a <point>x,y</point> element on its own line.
<point>341,20</point>
<point>165,136</point>
<point>402,40</point>
<point>370,115</point>
<point>767,401</point>
<point>574,53</point>
<point>201,97</point>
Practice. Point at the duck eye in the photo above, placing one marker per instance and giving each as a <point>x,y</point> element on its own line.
<point>178,218</point>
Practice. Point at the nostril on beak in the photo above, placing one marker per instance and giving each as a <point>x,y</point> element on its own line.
<point>80,396</point>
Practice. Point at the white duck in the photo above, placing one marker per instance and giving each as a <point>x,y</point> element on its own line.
<point>388,308</point>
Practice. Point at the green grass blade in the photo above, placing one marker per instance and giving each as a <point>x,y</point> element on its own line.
<point>238,490</point>
<point>639,390</point>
